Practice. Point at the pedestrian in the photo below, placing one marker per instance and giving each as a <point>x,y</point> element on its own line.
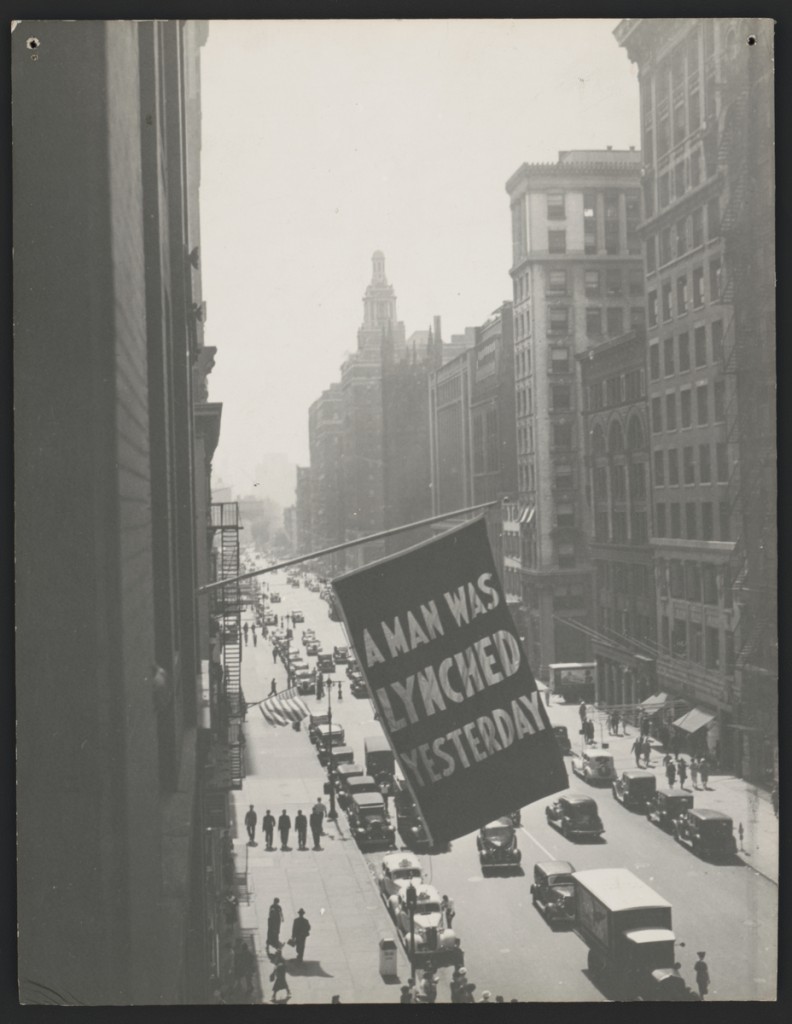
<point>319,689</point>
<point>671,773</point>
<point>682,772</point>
<point>255,640</point>
<point>774,798</point>
<point>468,993</point>
<point>406,994</point>
<point>447,908</point>
<point>274,922</point>
<point>251,818</point>
<point>457,984</point>
<point>616,723</point>
<point>582,712</point>
<point>273,687</point>
<point>647,750</point>
<point>315,821</point>
<point>268,827</point>
<point>340,691</point>
<point>245,630</point>
<point>702,975</point>
<point>301,929</point>
<point>244,965</point>
<point>274,654</point>
<point>637,748</point>
<point>499,999</point>
<point>278,977</point>
<point>704,773</point>
<point>320,809</point>
<point>694,772</point>
<point>284,826</point>
<point>666,760</point>
<point>589,727</point>
<point>430,987</point>
<point>301,828</point>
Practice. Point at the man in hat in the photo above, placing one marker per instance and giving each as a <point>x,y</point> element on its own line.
<point>458,982</point>
<point>251,818</point>
<point>301,929</point>
<point>702,975</point>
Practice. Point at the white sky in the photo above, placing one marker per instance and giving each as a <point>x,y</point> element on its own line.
<point>326,140</point>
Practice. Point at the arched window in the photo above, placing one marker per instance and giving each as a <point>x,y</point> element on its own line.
<point>615,438</point>
<point>598,441</point>
<point>635,435</point>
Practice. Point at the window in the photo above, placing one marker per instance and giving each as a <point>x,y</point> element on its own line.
<point>693,582</point>
<point>659,467</point>
<point>558,320</point>
<point>680,179</point>
<point>680,121</point>
<point>695,168</point>
<point>592,283</point>
<point>681,237</point>
<point>562,435</point>
<point>612,223</point>
<point>566,556</point>
<point>687,417</point>
<point>676,578</point>
<point>637,481</point>
<point>698,287</point>
<point>589,222</point>
<point>700,344</point>
<point>705,464</point>
<point>691,520</point>
<point>676,520</point>
<point>619,520</point>
<point>565,515</point>
<point>593,322</point>
<point>684,352</point>
<point>660,519</point>
<point>654,362</point>
<point>709,575</point>
<point>713,218</point>
<point>651,253</point>
<point>697,222</point>
<point>666,300</point>
<point>688,464</point>
<point>707,525</point>
<point>615,317</point>
<point>664,195</point>
<point>712,647</point>
<point>666,634</point>
<point>695,652</point>
<point>562,397</point>
<point>563,478</point>
<point>679,639</point>
<point>637,318</point>
<point>665,246</point>
<point>618,482</point>
<point>557,282</point>
<point>721,463</point>
<point>555,206</point>
<point>556,241</point>
<point>717,340</point>
<point>673,467</point>
<point>681,295</point>
<point>651,309</point>
<point>671,412</point>
<point>600,483</point>
<point>636,281</point>
<point>559,360</point>
<point>657,416</point>
<point>702,405</point>
<point>668,357</point>
<point>725,520</point>
<point>613,282</point>
<point>715,279</point>
<point>633,211</point>
<point>720,401</point>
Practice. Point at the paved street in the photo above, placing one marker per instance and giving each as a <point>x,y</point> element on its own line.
<point>727,910</point>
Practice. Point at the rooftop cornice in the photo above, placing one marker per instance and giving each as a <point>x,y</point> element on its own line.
<point>575,170</point>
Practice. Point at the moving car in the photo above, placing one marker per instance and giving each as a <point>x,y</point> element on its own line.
<point>562,736</point>
<point>635,789</point>
<point>408,820</point>
<point>270,619</point>
<point>306,635</point>
<point>425,921</point>
<point>340,655</point>
<point>369,821</point>
<point>553,890</point>
<point>305,681</point>
<point>707,833</point>
<point>497,845</point>
<point>358,688</point>
<point>594,766</point>
<point>275,597</point>
<point>297,616</point>
<point>575,817</point>
<point>312,646</point>
<point>667,806</point>
<point>379,760</point>
<point>398,870</point>
<point>325,663</point>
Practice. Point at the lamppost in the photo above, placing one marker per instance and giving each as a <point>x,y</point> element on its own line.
<point>332,814</point>
<point>411,896</point>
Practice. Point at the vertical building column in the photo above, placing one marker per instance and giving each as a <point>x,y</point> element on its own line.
<point>622,222</point>
<point>600,219</point>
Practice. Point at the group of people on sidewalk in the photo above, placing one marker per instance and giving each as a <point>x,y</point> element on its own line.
<point>244,968</point>
<point>284,824</point>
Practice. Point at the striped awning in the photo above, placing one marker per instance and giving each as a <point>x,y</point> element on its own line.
<point>694,720</point>
<point>284,708</point>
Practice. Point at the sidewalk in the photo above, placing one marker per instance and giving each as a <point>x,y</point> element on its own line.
<point>333,885</point>
<point>743,801</point>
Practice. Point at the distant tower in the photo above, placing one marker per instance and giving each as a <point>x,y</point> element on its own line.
<point>379,304</point>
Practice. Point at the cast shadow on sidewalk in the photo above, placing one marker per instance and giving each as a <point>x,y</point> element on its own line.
<point>306,969</point>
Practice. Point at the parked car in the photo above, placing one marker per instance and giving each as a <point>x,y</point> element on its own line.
<point>275,597</point>
<point>340,655</point>
<point>328,735</point>
<point>336,756</point>
<point>594,766</point>
<point>358,688</point>
<point>575,817</point>
<point>707,833</point>
<point>497,845</point>
<point>354,784</point>
<point>667,806</point>
<point>305,681</point>
<point>553,890</point>
<point>408,820</point>
<point>369,821</point>
<point>562,736</point>
<point>312,646</point>
<point>313,725</point>
<point>426,921</point>
<point>635,789</point>
<point>306,635</point>
<point>398,870</point>
<point>297,616</point>
<point>270,619</point>
<point>325,662</point>
<point>346,771</point>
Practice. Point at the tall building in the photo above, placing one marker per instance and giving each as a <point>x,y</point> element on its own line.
<point>325,436</point>
<point>304,510</point>
<point>695,122</point>
<point>578,279</point>
<point>114,439</point>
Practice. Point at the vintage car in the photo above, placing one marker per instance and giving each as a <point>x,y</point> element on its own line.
<point>275,597</point>
<point>635,789</point>
<point>337,755</point>
<point>575,817</point>
<point>340,655</point>
<point>369,821</point>
<point>396,873</point>
<point>594,766</point>
<point>354,784</point>
<point>270,619</point>
<point>562,736</point>
<point>297,616</point>
<point>312,646</point>
<point>346,771</point>
<point>707,833</point>
<point>424,921</point>
<point>325,663</point>
<point>667,806</point>
<point>408,820</point>
<point>305,681</point>
<point>553,890</point>
<point>358,688</point>
<point>306,635</point>
<point>328,735</point>
<point>313,725</point>
<point>497,845</point>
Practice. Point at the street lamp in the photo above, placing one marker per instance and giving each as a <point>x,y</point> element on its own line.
<point>411,896</point>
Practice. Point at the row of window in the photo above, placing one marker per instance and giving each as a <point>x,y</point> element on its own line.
<point>706,411</point>
<point>668,309</point>
<point>693,520</point>
<point>616,390</point>
<point>686,235</point>
<point>631,579</point>
<point>618,526</point>
<point>618,473</point>
<point>629,623</point>
<point>697,465</point>
<point>694,642</point>
<point>522,358</point>
<point>698,582</point>
<point>677,355</point>
<point>615,282</point>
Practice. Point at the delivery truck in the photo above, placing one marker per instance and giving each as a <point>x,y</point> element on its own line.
<point>379,761</point>
<point>626,926</point>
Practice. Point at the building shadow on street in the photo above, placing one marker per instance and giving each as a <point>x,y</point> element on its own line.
<point>306,969</point>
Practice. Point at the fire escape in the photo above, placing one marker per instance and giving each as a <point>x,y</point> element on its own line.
<point>226,608</point>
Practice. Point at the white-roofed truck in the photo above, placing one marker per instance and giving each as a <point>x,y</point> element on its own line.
<point>627,928</point>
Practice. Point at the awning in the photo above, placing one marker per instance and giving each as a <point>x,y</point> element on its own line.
<point>654,703</point>
<point>694,720</point>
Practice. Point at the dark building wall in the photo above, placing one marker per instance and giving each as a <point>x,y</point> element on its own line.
<point>102,895</point>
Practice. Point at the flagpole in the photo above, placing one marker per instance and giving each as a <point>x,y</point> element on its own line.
<point>348,544</point>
